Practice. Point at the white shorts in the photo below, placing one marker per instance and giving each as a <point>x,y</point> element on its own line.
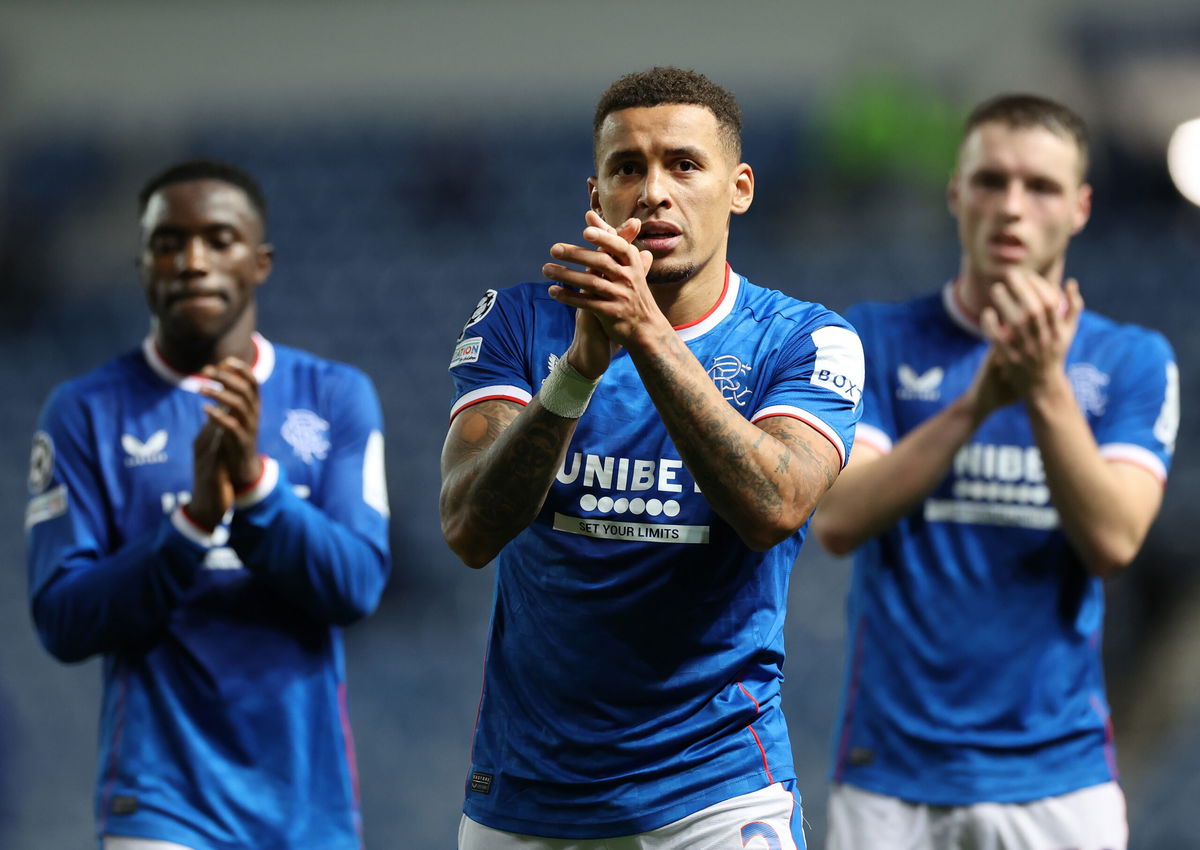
<point>1089,819</point>
<point>125,842</point>
<point>760,820</point>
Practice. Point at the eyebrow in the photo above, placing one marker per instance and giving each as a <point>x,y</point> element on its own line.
<point>685,152</point>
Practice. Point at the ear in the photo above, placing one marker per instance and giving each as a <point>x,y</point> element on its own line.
<point>594,196</point>
<point>743,188</point>
<point>1083,208</point>
<point>264,259</point>
<point>952,197</point>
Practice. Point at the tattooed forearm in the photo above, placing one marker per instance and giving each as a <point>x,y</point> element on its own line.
<point>765,481</point>
<point>497,467</point>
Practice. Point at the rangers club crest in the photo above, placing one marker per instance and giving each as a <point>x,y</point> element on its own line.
<point>307,434</point>
<point>726,372</point>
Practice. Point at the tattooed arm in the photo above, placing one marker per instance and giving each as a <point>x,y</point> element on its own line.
<point>763,478</point>
<point>498,463</point>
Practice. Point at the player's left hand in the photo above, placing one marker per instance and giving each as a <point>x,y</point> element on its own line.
<point>1031,323</point>
<point>237,410</point>
<point>612,285</point>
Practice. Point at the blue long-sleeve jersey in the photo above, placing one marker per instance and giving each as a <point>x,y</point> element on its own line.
<point>224,720</point>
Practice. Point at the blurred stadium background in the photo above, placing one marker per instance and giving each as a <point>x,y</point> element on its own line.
<point>415,153</point>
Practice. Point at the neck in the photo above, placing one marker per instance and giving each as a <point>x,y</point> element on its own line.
<point>191,354</point>
<point>683,303</point>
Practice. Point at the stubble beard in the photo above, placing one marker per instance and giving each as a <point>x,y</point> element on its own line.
<point>665,276</point>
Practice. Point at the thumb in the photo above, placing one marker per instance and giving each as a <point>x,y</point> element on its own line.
<point>1074,299</point>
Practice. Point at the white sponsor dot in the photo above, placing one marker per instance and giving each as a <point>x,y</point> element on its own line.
<point>654,507</point>
<point>588,502</point>
<point>671,507</point>
<point>605,504</point>
<point>621,505</point>
<point>637,506</point>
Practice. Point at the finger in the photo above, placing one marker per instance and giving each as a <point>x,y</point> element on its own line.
<point>612,244</point>
<point>594,219</point>
<point>630,229</point>
<point>1074,300</point>
<point>997,334</point>
<point>1005,304</point>
<point>237,377</point>
<point>573,298</point>
<point>229,424</point>
<point>231,404</point>
<point>1038,307</point>
<point>595,262</point>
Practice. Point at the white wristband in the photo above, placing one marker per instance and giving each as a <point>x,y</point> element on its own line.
<point>565,392</point>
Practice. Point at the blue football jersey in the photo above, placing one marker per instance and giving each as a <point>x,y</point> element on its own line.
<point>973,663</point>
<point>224,720</point>
<point>636,645</point>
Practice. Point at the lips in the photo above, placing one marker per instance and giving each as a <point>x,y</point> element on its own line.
<point>658,237</point>
<point>1008,246</point>
<point>195,296</point>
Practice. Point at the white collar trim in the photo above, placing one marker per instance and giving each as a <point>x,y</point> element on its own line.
<point>957,312</point>
<point>714,317</point>
<point>264,365</point>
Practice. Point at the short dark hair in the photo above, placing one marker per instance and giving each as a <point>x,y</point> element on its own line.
<point>206,169</point>
<point>661,85</point>
<point>1030,110</point>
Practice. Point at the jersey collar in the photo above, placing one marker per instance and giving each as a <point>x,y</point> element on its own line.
<point>958,311</point>
<point>264,365</point>
<point>719,310</point>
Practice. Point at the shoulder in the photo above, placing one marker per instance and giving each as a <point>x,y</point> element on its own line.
<point>887,313</point>
<point>297,360</point>
<point>101,384</point>
<point>770,304</point>
<point>1095,328</point>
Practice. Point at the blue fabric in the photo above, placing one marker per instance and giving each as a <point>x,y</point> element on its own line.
<point>223,722</point>
<point>973,666</point>
<point>636,645</point>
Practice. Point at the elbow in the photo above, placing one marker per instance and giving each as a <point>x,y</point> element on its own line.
<point>469,548</point>
<point>765,535</point>
<point>474,556</point>
<point>363,597</point>
<point>54,634</point>
<point>834,539</point>
<point>1111,559</point>
<point>65,651</point>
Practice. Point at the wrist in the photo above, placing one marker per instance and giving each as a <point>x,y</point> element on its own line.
<point>1048,392</point>
<point>566,392</point>
<point>201,517</point>
<point>250,474</point>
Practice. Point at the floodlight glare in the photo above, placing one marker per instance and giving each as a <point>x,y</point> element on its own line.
<point>1183,159</point>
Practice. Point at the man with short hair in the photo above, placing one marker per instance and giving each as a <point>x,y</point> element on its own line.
<point>206,511</point>
<point>1012,454</point>
<point>639,446</point>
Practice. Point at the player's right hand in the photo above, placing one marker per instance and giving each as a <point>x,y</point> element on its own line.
<point>212,489</point>
<point>990,390</point>
<point>591,349</point>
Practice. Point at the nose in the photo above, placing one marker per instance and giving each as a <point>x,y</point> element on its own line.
<point>655,190</point>
<point>1014,198</point>
<point>192,260</point>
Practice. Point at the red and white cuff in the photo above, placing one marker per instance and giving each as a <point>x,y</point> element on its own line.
<point>191,529</point>
<point>251,495</point>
